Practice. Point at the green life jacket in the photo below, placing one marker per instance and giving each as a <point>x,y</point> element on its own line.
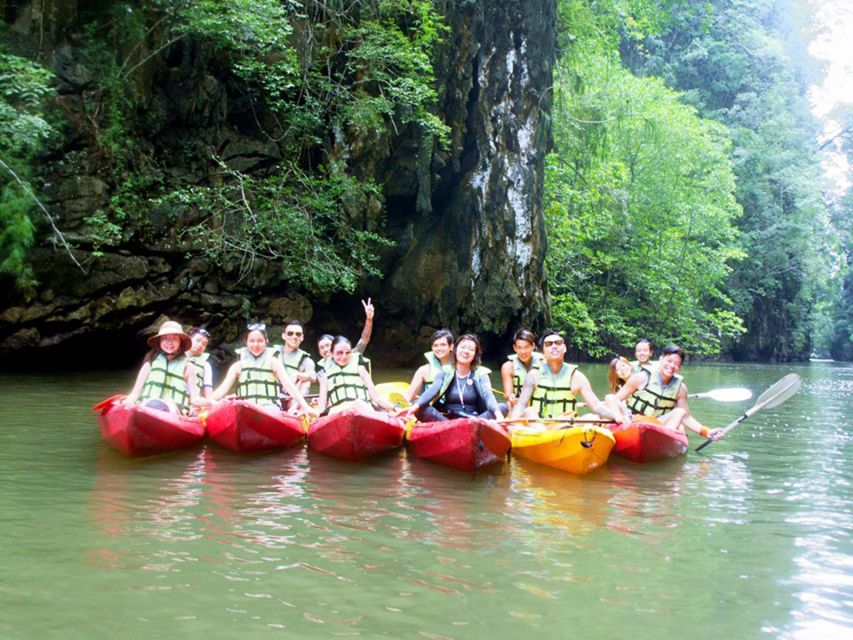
<point>655,398</point>
<point>553,393</point>
<point>292,361</point>
<point>519,371</point>
<point>166,381</point>
<point>257,382</point>
<point>450,373</point>
<point>323,363</point>
<point>345,383</point>
<point>434,367</point>
<point>637,367</point>
<point>199,362</point>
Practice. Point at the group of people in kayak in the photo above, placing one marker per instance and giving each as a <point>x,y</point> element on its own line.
<point>536,383</point>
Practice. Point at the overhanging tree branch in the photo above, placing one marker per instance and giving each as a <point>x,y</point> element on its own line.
<point>56,232</point>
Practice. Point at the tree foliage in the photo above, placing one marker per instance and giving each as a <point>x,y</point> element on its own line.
<point>640,206</point>
<point>320,80</point>
<point>731,61</point>
<point>23,129</point>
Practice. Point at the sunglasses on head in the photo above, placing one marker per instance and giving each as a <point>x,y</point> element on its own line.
<point>256,326</point>
<point>201,332</point>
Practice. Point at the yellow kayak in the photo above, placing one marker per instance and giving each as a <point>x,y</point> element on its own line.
<point>394,392</point>
<point>577,449</point>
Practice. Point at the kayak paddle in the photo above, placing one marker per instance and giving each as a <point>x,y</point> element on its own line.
<point>559,420</point>
<point>733,394</point>
<point>105,405</point>
<point>774,396</point>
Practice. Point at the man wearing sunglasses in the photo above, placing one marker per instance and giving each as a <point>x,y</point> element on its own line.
<point>297,363</point>
<point>552,390</point>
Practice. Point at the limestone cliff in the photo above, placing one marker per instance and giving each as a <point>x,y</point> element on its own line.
<point>466,217</point>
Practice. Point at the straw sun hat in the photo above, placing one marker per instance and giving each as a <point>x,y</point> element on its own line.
<point>171,328</point>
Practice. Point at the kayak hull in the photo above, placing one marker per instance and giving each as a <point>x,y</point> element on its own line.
<point>647,440</point>
<point>246,427</point>
<point>576,449</point>
<point>354,436</point>
<point>138,431</point>
<point>466,444</point>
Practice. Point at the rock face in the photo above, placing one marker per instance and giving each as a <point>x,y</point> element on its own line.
<point>467,219</point>
<point>474,252</point>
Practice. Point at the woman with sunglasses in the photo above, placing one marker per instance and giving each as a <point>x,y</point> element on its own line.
<point>345,382</point>
<point>199,356</point>
<point>324,342</point>
<point>258,374</point>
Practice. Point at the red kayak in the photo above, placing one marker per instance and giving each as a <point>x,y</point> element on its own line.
<point>245,427</point>
<point>352,435</point>
<point>646,440</point>
<point>465,443</point>
<point>138,431</point>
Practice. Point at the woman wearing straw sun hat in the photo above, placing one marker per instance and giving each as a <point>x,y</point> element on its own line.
<point>166,379</point>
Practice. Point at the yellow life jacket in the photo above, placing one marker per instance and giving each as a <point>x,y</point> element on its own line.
<point>655,398</point>
<point>434,367</point>
<point>292,361</point>
<point>345,383</point>
<point>200,363</point>
<point>257,382</point>
<point>519,371</point>
<point>323,363</point>
<point>637,367</point>
<point>166,381</point>
<point>553,393</point>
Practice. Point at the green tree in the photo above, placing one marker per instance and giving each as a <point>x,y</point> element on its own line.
<point>731,61</point>
<point>23,129</point>
<point>640,207</point>
<point>315,82</point>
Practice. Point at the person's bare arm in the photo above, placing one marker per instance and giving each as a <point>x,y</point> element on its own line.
<point>526,395</point>
<point>417,383</point>
<point>506,383</point>
<point>583,388</point>
<point>230,378</point>
<point>375,396</point>
<point>291,388</point>
<point>364,340</point>
<point>144,370</point>
<point>633,384</point>
<point>688,421</point>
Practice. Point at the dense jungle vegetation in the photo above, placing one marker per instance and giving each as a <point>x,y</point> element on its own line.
<point>684,196</point>
<point>685,189</point>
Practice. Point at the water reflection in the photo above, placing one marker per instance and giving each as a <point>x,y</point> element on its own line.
<point>750,540</point>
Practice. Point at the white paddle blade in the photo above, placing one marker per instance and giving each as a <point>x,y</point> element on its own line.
<point>779,392</point>
<point>734,394</point>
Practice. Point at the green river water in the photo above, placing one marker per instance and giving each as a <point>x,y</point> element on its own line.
<point>752,540</point>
